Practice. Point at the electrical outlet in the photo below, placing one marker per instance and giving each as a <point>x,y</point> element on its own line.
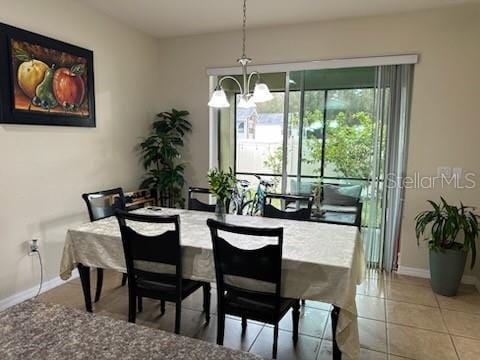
<point>33,246</point>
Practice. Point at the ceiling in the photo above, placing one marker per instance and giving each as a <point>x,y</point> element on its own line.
<point>170,18</point>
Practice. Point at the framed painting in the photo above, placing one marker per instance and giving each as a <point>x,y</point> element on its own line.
<point>4,82</point>
<point>49,82</point>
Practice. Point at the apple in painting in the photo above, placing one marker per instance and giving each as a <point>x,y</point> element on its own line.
<point>29,75</point>
<point>68,88</point>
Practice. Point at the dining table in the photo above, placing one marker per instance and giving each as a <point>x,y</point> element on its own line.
<point>320,261</point>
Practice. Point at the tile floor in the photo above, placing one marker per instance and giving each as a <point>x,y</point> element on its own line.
<point>399,318</point>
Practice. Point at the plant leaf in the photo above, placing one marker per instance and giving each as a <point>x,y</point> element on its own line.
<point>22,55</point>
<point>78,69</point>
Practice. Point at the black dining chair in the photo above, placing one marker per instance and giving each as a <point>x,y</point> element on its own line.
<point>163,251</point>
<point>302,213</point>
<point>263,265</point>
<point>195,204</point>
<point>100,205</point>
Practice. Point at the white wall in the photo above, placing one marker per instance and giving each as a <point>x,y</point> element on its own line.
<point>445,124</point>
<point>45,169</point>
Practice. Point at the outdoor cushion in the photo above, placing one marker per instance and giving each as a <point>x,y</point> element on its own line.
<point>341,195</point>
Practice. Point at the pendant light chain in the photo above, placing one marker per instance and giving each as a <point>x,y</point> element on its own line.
<point>244,28</point>
<point>261,93</point>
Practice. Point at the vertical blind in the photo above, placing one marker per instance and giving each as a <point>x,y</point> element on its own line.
<point>389,159</point>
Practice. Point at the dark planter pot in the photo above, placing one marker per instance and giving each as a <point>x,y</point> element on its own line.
<point>446,270</point>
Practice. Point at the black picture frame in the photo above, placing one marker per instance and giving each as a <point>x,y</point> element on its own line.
<point>4,76</point>
<point>10,114</point>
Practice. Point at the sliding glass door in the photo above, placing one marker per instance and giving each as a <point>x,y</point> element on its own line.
<point>318,126</point>
<point>330,126</point>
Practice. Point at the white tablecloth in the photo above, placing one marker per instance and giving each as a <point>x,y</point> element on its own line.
<point>321,262</point>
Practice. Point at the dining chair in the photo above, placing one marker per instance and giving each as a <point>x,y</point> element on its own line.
<point>293,214</point>
<point>195,204</point>
<point>154,266</point>
<point>343,199</point>
<point>249,281</point>
<point>301,214</point>
<point>100,205</point>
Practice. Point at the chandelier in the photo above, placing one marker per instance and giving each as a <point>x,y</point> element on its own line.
<point>261,93</point>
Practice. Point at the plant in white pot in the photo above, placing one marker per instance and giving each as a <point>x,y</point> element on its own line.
<point>451,233</point>
<point>221,184</point>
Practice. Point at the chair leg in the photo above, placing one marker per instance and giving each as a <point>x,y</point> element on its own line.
<point>337,354</point>
<point>206,301</point>
<point>162,307</point>
<point>140,304</point>
<point>244,324</point>
<point>295,320</point>
<point>124,279</point>
<point>275,341</point>
<point>220,327</point>
<point>98,292</point>
<point>132,307</point>
<point>178,316</point>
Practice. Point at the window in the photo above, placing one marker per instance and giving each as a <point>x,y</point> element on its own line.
<point>328,132</point>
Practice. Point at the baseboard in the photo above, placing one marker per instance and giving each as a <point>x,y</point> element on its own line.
<point>30,293</point>
<point>425,273</point>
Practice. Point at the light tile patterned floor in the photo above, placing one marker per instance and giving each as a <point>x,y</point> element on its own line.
<point>399,318</point>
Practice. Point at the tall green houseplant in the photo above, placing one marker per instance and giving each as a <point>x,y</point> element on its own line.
<point>160,153</point>
<point>451,232</point>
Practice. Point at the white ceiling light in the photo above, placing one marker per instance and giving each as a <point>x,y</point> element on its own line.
<point>246,104</point>
<point>219,99</point>
<point>261,92</point>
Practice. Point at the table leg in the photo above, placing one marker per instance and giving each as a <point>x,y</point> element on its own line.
<point>337,354</point>
<point>84,272</point>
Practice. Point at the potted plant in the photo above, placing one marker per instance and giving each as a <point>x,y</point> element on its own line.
<point>160,152</point>
<point>451,233</point>
<point>221,184</point>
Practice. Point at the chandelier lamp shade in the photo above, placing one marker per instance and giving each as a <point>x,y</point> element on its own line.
<point>261,92</point>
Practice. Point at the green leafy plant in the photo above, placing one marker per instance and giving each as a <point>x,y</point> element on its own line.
<point>160,153</point>
<point>274,160</point>
<point>348,145</point>
<point>442,225</point>
<point>221,183</point>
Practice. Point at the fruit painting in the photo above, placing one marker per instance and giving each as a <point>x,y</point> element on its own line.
<point>51,82</point>
<point>47,80</point>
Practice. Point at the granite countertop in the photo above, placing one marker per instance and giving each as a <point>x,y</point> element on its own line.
<point>37,330</point>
